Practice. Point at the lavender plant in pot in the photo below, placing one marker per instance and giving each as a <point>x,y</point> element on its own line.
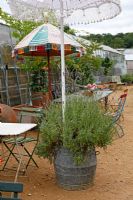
<point>71,145</point>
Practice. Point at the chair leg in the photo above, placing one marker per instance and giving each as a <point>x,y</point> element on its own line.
<point>11,153</point>
<point>122,117</point>
<point>30,156</point>
<point>120,131</point>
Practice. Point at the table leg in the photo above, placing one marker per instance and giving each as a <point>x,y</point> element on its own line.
<point>20,153</point>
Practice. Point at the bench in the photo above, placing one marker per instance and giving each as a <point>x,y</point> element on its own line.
<point>13,188</point>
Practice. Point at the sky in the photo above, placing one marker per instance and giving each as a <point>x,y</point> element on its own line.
<point>123,23</point>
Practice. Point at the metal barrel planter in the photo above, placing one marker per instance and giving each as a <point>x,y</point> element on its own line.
<point>71,176</point>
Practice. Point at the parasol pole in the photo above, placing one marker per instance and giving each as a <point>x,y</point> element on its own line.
<point>62,60</point>
<point>49,77</point>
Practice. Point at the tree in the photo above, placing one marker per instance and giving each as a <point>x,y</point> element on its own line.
<point>119,40</point>
<point>86,65</point>
<point>89,63</point>
<point>68,30</point>
<point>107,64</point>
<point>128,40</point>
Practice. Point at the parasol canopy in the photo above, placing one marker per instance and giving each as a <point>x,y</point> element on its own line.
<point>45,41</point>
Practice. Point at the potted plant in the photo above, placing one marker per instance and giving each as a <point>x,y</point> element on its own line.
<point>39,87</point>
<point>71,144</point>
<point>38,79</point>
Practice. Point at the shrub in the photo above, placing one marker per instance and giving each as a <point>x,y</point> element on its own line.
<point>85,127</point>
<point>127,78</point>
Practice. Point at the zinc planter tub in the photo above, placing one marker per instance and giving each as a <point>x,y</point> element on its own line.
<point>71,176</point>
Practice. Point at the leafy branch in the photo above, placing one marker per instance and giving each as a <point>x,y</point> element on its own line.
<point>19,28</point>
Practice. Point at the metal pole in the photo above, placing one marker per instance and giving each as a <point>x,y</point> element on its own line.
<point>62,59</point>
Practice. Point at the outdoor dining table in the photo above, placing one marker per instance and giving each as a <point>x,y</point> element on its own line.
<point>14,130</point>
<point>97,95</point>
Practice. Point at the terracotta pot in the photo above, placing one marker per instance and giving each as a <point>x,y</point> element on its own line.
<point>37,99</point>
<point>7,114</point>
<point>46,99</point>
<point>41,99</point>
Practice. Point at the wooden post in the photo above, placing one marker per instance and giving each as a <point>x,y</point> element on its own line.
<point>49,77</point>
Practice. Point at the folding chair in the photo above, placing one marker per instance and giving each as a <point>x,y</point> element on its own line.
<point>117,114</point>
<point>9,115</point>
<point>113,104</point>
<point>10,144</point>
<point>13,188</point>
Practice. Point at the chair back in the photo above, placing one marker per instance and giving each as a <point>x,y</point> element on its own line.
<point>14,188</point>
<point>120,108</point>
<point>125,91</point>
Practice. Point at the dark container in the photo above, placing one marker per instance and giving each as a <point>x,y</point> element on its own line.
<point>71,176</point>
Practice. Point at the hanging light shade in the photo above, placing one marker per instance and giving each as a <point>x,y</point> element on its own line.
<point>75,11</point>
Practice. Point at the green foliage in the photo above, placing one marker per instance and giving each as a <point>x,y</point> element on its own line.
<point>68,30</point>
<point>119,40</point>
<point>85,65</point>
<point>128,78</point>
<point>85,127</point>
<point>73,67</point>
<point>38,76</point>
<point>107,64</point>
<point>89,63</point>
<point>19,28</point>
<point>31,64</point>
<point>39,81</point>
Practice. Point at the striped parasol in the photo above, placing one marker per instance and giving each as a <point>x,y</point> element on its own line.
<point>45,41</point>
